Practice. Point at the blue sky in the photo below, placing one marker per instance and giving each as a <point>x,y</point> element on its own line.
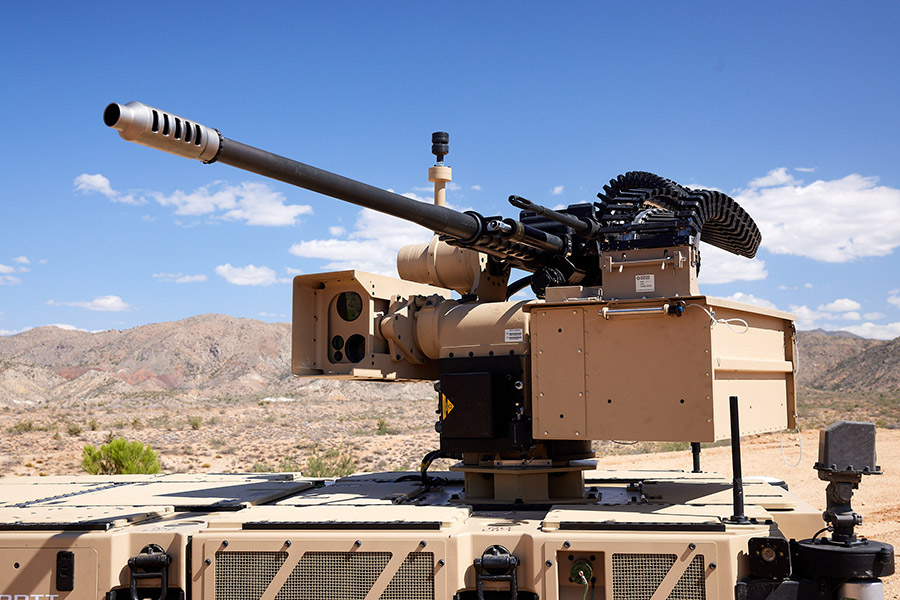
<point>789,107</point>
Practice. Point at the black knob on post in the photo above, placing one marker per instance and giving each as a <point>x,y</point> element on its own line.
<point>440,144</point>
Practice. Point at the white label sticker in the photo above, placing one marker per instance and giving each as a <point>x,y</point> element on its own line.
<point>513,335</point>
<point>645,283</point>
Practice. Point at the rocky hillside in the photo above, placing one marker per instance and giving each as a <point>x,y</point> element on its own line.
<point>847,363</point>
<point>217,356</point>
<point>213,356</point>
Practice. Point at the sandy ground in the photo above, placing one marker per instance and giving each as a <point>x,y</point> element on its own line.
<point>211,436</point>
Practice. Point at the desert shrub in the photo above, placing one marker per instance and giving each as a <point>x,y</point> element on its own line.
<point>383,428</point>
<point>289,465</point>
<point>330,464</point>
<point>74,429</point>
<point>93,424</point>
<point>22,427</point>
<point>195,422</point>
<point>158,422</point>
<point>119,456</point>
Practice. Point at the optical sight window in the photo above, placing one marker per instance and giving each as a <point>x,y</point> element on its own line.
<point>337,342</point>
<point>349,306</point>
<point>338,356</point>
<point>356,348</point>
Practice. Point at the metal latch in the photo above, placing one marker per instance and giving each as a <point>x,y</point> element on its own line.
<point>152,563</point>
<point>496,564</point>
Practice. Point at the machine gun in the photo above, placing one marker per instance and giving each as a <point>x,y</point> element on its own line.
<point>525,386</point>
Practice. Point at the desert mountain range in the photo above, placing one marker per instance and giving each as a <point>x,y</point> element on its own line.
<point>217,356</point>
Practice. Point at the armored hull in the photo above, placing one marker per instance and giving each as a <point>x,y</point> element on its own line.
<point>639,534</point>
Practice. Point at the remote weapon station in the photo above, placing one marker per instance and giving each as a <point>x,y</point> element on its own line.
<point>618,344</point>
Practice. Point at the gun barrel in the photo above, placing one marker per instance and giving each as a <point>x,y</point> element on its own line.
<point>164,131</point>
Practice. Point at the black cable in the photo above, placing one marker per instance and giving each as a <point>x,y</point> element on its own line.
<point>427,481</point>
<point>426,462</point>
<point>518,285</point>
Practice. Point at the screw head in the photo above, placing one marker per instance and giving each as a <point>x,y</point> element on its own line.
<point>549,563</point>
<point>225,542</point>
<point>712,566</point>
<point>422,544</point>
<point>287,543</point>
<point>441,562</point>
<point>357,543</point>
<point>692,546</point>
<point>207,562</point>
<point>567,544</point>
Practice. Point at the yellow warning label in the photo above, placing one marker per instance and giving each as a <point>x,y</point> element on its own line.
<point>446,406</point>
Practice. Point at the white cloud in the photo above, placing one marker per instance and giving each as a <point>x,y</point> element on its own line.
<point>7,332</point>
<point>293,271</point>
<point>273,315</point>
<point>179,277</point>
<point>832,221</point>
<point>873,316</point>
<point>99,184</point>
<point>337,231</point>
<point>808,318</point>
<point>65,326</point>
<point>825,315</point>
<point>415,196</point>
<point>719,266</point>
<point>22,260</point>
<point>894,298</point>
<point>85,183</point>
<point>775,177</point>
<point>805,169</point>
<point>557,190</point>
<point>477,188</point>
<point>751,299</point>
<point>874,330</point>
<point>840,305</point>
<point>700,186</point>
<point>100,303</point>
<point>371,246</point>
<point>808,286</point>
<point>6,278</point>
<point>249,275</point>
<point>252,202</point>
